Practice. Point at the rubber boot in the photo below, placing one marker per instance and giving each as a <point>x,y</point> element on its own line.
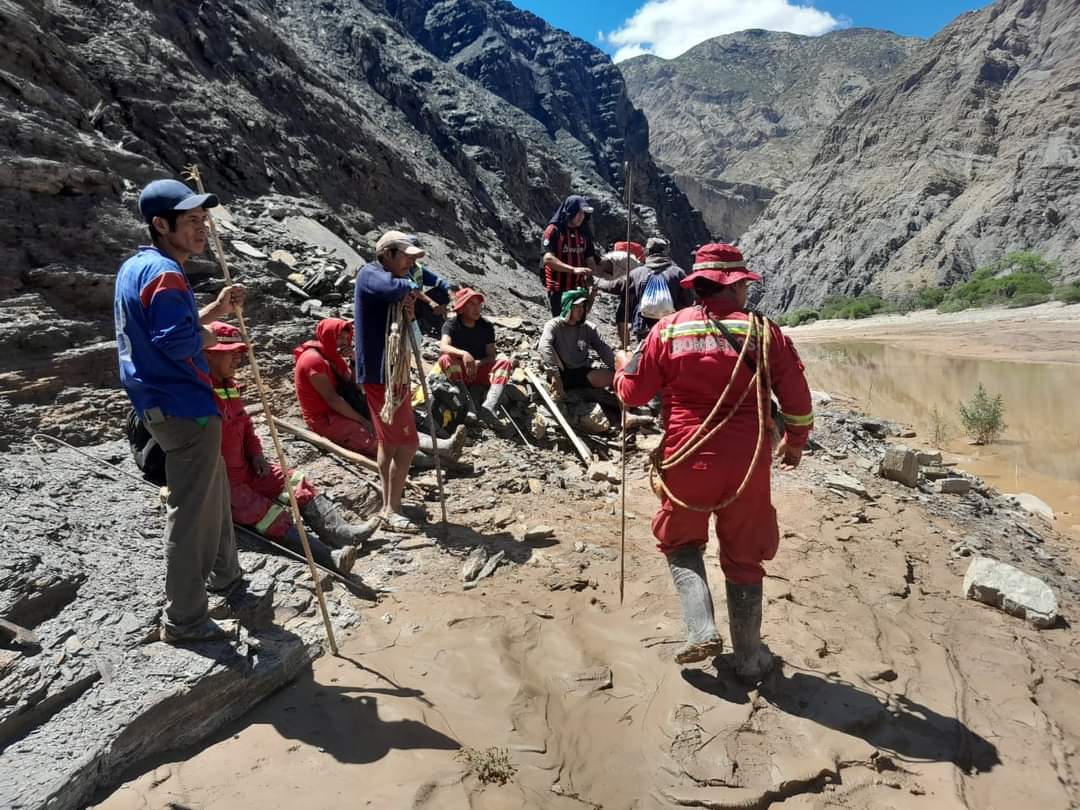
<point>471,410</point>
<point>489,411</point>
<point>448,448</point>
<point>688,573</point>
<point>344,559</point>
<point>322,515</point>
<point>753,660</point>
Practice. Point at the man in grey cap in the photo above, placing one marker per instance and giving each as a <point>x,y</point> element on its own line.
<point>160,337</point>
<point>648,304</point>
<point>379,286</point>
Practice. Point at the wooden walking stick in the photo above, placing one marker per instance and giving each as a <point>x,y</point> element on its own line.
<point>192,173</point>
<point>430,418</point>
<point>624,332</point>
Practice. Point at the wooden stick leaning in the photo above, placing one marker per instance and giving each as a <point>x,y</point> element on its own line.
<point>192,173</point>
<point>579,445</point>
<point>430,418</point>
<point>624,333</point>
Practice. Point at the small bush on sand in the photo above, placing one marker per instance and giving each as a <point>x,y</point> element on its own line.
<point>1069,293</point>
<point>941,430</point>
<point>983,416</point>
<point>492,766</point>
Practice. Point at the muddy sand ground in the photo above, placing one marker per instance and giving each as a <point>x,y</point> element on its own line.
<point>895,691</point>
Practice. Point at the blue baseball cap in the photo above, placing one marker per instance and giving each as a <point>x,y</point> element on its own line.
<point>162,196</point>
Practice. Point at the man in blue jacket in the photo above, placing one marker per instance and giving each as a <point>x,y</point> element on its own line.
<point>379,286</point>
<point>160,336</point>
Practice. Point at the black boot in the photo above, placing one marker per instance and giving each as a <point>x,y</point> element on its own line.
<point>322,515</point>
<point>753,660</point>
<point>688,573</point>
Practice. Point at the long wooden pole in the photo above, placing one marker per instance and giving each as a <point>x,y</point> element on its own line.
<point>579,445</point>
<point>430,417</point>
<point>192,173</point>
<point>624,330</point>
<point>315,440</point>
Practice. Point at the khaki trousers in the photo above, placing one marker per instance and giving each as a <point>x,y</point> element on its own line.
<point>200,546</point>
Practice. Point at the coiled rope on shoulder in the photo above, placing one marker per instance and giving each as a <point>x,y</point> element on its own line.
<point>757,326</point>
<point>398,357</point>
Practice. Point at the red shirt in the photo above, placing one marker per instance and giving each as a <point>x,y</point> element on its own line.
<point>574,248</point>
<point>312,404</point>
<point>688,360</point>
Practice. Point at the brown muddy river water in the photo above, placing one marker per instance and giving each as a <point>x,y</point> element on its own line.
<point>1039,451</point>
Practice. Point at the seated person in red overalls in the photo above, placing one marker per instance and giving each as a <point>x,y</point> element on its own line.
<point>257,487</point>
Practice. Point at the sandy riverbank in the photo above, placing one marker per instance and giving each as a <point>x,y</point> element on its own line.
<point>1047,333</point>
<point>895,690</point>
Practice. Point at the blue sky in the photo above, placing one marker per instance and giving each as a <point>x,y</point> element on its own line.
<point>668,27</point>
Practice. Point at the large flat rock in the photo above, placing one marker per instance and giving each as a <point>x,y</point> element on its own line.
<point>81,566</point>
<point>1010,589</point>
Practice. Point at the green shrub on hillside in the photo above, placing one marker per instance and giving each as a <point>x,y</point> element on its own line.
<point>1069,293</point>
<point>1020,279</point>
<point>799,317</point>
<point>983,417</point>
<point>862,306</point>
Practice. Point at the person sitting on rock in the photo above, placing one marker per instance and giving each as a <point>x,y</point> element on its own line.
<point>257,487</point>
<point>469,357</point>
<point>564,349</point>
<point>569,254</point>
<point>333,405</point>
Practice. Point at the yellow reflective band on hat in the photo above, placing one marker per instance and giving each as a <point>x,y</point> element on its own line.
<point>720,265</point>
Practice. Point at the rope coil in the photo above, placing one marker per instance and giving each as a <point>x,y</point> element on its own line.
<point>703,434</point>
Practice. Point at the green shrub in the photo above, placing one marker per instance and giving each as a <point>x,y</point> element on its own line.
<point>862,306</point>
<point>928,297</point>
<point>983,417</point>
<point>1018,280</point>
<point>799,317</point>
<point>1069,293</point>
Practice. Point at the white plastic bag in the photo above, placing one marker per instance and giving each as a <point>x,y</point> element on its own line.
<point>656,300</point>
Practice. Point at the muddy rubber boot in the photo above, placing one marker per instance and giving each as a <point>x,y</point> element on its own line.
<point>702,639</point>
<point>449,449</point>
<point>471,417</point>
<point>753,660</point>
<point>322,515</point>
<point>344,559</point>
<point>489,411</point>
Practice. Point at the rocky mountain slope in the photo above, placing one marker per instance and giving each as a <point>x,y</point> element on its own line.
<point>966,153</point>
<point>738,117</point>
<point>331,110</point>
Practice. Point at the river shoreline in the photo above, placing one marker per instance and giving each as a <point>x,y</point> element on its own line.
<point>1047,333</point>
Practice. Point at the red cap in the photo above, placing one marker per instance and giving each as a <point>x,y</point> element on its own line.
<point>633,248</point>
<point>464,296</point>
<point>225,330</point>
<point>720,264</point>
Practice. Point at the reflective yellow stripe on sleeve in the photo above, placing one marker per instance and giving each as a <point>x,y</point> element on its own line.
<point>799,419</point>
<point>268,519</point>
<point>295,480</point>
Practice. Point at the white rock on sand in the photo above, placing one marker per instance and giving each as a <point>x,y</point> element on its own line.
<point>1010,589</point>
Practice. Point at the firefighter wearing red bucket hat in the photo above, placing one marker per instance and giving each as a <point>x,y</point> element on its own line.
<point>715,364</point>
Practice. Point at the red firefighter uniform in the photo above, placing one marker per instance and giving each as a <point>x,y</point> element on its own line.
<point>687,358</point>
<point>261,503</point>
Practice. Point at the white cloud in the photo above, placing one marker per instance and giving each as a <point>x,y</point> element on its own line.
<point>668,28</point>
